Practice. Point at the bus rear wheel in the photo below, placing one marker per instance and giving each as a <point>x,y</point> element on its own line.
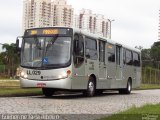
<point>90,88</point>
<point>128,89</point>
<point>48,92</point>
<point>99,92</point>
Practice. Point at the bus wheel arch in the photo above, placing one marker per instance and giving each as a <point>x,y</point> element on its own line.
<point>129,85</point>
<point>91,86</point>
<point>48,92</point>
<point>128,88</point>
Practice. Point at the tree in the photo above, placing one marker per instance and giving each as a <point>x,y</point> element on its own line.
<point>155,51</point>
<point>10,58</point>
<point>146,54</point>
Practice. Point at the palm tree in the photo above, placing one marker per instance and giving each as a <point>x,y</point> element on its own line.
<point>11,58</point>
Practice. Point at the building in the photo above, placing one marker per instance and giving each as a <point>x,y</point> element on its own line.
<point>43,13</point>
<point>63,14</point>
<point>94,23</point>
<point>85,21</point>
<point>76,21</point>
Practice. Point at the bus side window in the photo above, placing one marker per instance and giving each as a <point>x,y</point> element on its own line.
<point>111,52</point>
<point>129,57</point>
<point>136,59</point>
<point>139,63</point>
<point>78,50</point>
<point>91,48</point>
<point>101,51</point>
<point>124,56</point>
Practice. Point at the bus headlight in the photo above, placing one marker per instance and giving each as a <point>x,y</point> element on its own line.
<point>64,74</point>
<point>23,75</point>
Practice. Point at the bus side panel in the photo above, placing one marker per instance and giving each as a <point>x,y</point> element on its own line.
<point>138,77</point>
<point>79,79</point>
<point>127,73</point>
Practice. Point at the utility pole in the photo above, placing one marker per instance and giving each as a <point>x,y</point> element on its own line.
<point>110,21</point>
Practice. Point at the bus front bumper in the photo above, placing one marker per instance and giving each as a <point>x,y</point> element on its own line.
<point>57,84</point>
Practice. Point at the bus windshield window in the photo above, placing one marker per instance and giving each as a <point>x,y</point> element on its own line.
<point>45,51</point>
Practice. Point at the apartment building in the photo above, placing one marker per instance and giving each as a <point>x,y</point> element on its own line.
<point>43,13</point>
<point>94,23</point>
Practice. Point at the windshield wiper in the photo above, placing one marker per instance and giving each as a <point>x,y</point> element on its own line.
<point>51,42</point>
<point>37,43</point>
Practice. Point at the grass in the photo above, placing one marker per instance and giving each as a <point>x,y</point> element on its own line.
<point>12,88</point>
<point>9,84</point>
<point>15,92</point>
<point>148,86</point>
<point>147,112</point>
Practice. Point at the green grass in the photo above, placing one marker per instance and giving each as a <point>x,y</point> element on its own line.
<point>152,112</point>
<point>12,88</point>
<point>148,86</point>
<point>9,84</point>
<point>9,92</point>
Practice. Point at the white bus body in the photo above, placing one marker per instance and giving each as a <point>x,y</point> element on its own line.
<point>61,58</point>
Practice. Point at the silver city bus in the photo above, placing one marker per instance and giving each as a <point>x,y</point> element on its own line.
<point>63,58</point>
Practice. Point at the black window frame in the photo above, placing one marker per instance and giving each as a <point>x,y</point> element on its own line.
<point>111,54</point>
<point>128,58</point>
<point>118,56</point>
<point>136,60</point>
<point>102,50</point>
<point>91,50</point>
<point>78,58</point>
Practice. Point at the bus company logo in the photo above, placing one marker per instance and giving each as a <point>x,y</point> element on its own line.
<point>34,72</point>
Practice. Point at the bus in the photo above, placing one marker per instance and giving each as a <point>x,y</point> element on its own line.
<point>65,58</point>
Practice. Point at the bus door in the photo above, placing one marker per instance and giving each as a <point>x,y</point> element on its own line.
<point>79,78</point>
<point>91,56</point>
<point>102,63</point>
<point>111,65</point>
<point>119,62</point>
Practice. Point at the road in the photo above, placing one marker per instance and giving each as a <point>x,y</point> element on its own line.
<point>108,103</point>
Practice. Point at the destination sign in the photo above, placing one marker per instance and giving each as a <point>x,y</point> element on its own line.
<point>48,31</point>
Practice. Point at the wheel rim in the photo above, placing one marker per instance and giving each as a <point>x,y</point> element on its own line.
<point>129,86</point>
<point>91,87</point>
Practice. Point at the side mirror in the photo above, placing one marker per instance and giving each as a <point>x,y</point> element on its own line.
<point>17,44</point>
<point>18,49</point>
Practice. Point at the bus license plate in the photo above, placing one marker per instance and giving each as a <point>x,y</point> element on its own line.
<point>41,85</point>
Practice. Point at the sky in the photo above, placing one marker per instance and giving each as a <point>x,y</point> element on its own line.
<point>135,21</point>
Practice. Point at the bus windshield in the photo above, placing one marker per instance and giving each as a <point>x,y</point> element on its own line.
<point>38,52</point>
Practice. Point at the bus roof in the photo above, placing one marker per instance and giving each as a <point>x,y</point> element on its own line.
<point>93,36</point>
<point>105,39</point>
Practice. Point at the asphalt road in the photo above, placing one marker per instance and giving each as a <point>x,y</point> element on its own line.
<point>108,103</point>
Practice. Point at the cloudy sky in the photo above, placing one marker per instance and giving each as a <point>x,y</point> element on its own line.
<point>136,21</point>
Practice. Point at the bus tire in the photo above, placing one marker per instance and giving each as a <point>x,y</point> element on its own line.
<point>48,92</point>
<point>128,89</point>
<point>91,87</point>
<point>99,92</point>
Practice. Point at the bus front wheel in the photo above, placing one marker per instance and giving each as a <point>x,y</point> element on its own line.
<point>48,92</point>
<point>90,88</point>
